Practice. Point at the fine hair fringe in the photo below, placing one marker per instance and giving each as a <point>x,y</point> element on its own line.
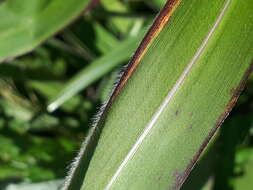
<point>94,127</point>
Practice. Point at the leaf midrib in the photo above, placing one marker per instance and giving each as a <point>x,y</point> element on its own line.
<point>171,94</point>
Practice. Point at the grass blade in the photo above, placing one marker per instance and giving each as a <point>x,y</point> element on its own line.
<point>24,25</point>
<point>96,70</point>
<point>179,87</point>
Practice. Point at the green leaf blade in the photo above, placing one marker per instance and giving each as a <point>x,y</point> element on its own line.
<point>25,25</point>
<point>95,70</point>
<point>184,84</point>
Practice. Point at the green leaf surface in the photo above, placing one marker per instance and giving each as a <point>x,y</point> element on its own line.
<point>25,24</point>
<point>179,87</point>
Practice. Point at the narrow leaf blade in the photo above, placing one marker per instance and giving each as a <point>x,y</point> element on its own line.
<point>179,87</point>
<point>26,24</point>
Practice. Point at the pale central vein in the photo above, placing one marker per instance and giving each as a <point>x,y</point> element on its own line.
<point>168,97</point>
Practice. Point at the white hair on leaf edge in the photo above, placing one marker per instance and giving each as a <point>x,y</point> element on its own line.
<point>95,123</point>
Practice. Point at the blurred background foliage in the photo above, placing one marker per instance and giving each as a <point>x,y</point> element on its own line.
<point>48,98</point>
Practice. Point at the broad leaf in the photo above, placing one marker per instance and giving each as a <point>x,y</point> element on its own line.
<point>25,24</point>
<point>179,87</point>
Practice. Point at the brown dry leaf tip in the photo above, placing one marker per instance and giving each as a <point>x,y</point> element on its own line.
<point>160,21</point>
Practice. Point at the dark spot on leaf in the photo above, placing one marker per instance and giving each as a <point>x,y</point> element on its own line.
<point>159,178</point>
<point>179,178</point>
<point>232,91</point>
<point>177,113</point>
<point>235,91</point>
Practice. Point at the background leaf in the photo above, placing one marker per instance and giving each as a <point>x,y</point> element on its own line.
<point>24,25</point>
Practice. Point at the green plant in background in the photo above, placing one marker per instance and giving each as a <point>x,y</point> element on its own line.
<point>194,58</point>
<point>25,24</point>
